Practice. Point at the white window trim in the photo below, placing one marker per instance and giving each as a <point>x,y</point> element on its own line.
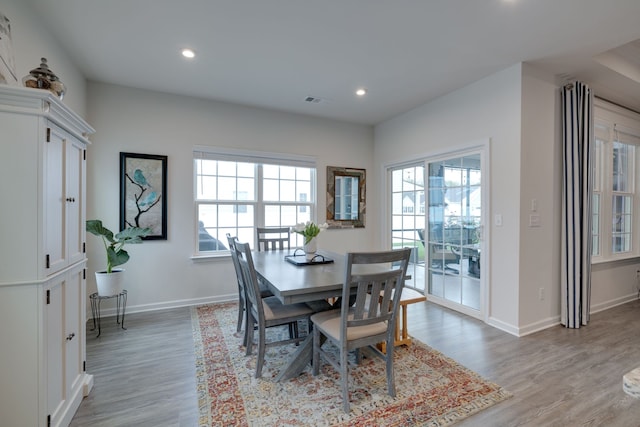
<point>628,122</point>
<point>249,156</point>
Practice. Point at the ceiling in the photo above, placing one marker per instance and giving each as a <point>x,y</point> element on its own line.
<point>276,53</point>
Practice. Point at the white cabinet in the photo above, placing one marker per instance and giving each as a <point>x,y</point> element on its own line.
<point>42,259</point>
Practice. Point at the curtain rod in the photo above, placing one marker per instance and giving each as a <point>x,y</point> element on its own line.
<point>616,104</point>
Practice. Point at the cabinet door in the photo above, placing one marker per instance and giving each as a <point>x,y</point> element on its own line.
<point>64,213</point>
<point>54,201</point>
<point>55,345</point>
<point>73,331</point>
<point>64,339</point>
<point>74,199</point>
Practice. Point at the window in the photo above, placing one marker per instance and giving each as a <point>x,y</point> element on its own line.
<point>616,202</point>
<point>236,191</point>
<point>598,171</point>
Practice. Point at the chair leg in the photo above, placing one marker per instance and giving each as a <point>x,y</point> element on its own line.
<point>240,314</point>
<point>261,349</point>
<point>391,381</point>
<point>293,330</point>
<point>246,341</point>
<point>315,358</point>
<point>344,377</point>
<point>249,334</point>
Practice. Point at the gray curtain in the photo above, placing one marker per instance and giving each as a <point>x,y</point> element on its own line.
<point>577,135</point>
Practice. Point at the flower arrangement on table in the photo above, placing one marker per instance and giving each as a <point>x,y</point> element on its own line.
<point>309,230</point>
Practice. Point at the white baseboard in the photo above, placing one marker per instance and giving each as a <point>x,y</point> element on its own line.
<point>513,330</point>
<point>538,326</point>
<point>613,303</point>
<point>554,321</point>
<point>520,331</point>
<point>130,309</point>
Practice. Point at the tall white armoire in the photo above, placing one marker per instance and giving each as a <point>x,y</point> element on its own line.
<point>42,259</point>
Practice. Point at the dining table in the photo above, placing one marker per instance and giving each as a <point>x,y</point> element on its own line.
<point>295,280</point>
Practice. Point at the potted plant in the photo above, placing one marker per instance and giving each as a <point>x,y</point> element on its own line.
<point>110,281</point>
<point>310,231</point>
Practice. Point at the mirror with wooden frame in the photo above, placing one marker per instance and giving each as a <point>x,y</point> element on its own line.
<point>346,197</point>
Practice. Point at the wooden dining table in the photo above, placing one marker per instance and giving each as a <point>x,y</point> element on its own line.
<point>306,283</point>
<point>300,283</point>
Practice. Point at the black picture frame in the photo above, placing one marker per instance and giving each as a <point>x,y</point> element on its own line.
<point>143,193</point>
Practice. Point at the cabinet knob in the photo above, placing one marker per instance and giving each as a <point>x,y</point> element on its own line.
<point>70,336</point>
<point>71,199</point>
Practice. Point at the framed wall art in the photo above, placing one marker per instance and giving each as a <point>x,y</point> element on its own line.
<point>143,193</point>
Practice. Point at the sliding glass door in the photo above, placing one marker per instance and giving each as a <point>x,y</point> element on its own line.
<point>408,218</point>
<point>454,232</point>
<point>436,209</point>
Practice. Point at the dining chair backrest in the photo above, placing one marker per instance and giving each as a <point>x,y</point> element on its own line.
<point>273,238</point>
<point>378,279</point>
<point>242,305</point>
<point>250,279</point>
<point>234,258</point>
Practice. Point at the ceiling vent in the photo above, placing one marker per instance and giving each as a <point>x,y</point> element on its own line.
<point>313,100</point>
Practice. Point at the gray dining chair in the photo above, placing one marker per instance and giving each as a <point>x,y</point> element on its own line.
<point>374,296</point>
<point>273,238</point>
<point>242,300</point>
<point>265,312</point>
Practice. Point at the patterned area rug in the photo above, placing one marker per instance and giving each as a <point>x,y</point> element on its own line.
<point>431,389</point>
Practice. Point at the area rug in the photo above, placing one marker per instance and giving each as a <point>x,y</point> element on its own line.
<point>431,389</point>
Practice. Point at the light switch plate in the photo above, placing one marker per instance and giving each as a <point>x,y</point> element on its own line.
<point>534,220</point>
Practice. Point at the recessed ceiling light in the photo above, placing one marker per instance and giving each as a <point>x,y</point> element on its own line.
<point>188,53</point>
<point>361,92</point>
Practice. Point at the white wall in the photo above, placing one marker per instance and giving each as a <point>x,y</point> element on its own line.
<point>161,273</point>
<point>489,108</point>
<point>541,180</point>
<point>31,41</point>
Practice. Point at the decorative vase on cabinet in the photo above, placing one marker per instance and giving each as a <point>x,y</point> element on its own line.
<point>43,266</point>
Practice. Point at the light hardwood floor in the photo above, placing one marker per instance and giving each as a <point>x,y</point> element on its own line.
<point>144,376</point>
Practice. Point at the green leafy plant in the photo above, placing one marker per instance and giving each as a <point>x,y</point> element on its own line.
<point>114,244</point>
